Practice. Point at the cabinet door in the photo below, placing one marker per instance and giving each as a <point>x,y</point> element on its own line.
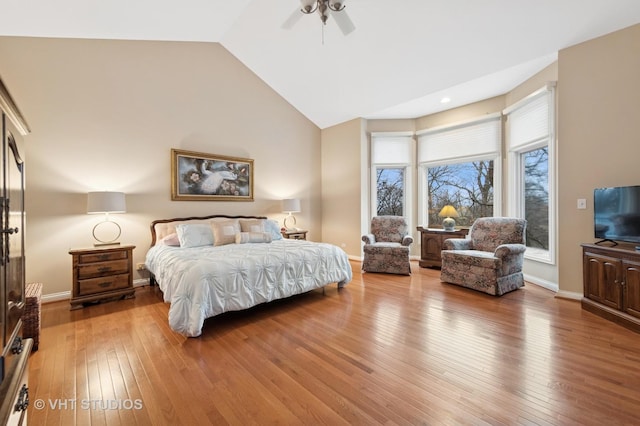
<point>431,246</point>
<point>603,279</point>
<point>632,288</point>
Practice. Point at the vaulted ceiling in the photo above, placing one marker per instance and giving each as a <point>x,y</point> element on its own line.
<point>402,59</point>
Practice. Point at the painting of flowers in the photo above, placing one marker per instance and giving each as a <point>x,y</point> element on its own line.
<point>207,177</point>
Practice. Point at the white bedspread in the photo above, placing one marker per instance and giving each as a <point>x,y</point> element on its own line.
<point>205,281</point>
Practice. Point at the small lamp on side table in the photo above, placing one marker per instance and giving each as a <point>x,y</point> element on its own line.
<point>448,212</point>
<point>291,205</point>
<point>106,202</point>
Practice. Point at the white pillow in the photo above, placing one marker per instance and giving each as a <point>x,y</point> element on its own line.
<point>273,228</point>
<point>253,237</point>
<point>194,235</point>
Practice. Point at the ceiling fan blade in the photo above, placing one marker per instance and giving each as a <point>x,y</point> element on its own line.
<point>292,19</point>
<point>343,21</point>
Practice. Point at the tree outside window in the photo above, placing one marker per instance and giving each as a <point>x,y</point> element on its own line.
<point>536,197</point>
<point>466,186</point>
<point>390,191</point>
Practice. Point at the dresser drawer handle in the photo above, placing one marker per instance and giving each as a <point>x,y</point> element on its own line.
<point>103,257</point>
<point>105,284</point>
<point>104,269</point>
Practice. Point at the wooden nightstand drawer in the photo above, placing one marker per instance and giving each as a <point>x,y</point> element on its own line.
<point>100,285</point>
<point>101,269</point>
<point>102,257</point>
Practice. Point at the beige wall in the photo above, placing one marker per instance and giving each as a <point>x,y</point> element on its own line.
<point>344,172</point>
<point>105,115</point>
<point>598,135</point>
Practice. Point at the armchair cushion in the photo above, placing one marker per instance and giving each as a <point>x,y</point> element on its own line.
<point>490,260</point>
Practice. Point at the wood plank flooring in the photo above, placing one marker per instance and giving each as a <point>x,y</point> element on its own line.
<point>384,350</point>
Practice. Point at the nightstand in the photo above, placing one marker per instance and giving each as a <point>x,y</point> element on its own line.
<point>300,234</point>
<point>431,241</point>
<point>102,273</point>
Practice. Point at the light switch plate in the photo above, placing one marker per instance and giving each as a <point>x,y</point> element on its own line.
<point>582,203</point>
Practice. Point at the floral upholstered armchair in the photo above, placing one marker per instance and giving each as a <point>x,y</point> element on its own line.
<point>490,259</point>
<point>386,248</point>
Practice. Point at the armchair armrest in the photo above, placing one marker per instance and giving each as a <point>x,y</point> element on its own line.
<point>407,240</point>
<point>505,250</point>
<point>457,244</point>
<point>369,239</point>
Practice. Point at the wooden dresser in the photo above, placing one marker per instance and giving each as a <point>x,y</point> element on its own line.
<point>102,273</point>
<point>431,241</point>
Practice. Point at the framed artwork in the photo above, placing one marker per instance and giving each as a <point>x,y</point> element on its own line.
<point>196,176</point>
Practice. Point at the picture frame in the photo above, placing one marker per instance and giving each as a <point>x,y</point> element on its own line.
<point>197,176</point>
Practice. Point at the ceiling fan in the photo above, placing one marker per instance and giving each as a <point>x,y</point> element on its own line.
<point>325,8</point>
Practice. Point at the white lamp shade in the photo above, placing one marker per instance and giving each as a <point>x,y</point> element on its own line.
<point>106,202</point>
<point>291,205</point>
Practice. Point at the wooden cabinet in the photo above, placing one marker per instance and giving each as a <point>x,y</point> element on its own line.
<point>15,350</point>
<point>102,274</point>
<point>431,241</point>
<point>611,277</point>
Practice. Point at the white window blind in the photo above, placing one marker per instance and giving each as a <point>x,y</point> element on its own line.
<point>529,121</point>
<point>471,139</point>
<point>391,149</point>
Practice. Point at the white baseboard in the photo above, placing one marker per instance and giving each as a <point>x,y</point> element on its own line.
<point>56,297</point>
<point>141,282</point>
<point>542,283</point>
<point>571,295</point>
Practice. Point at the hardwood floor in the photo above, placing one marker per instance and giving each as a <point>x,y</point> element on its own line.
<point>384,350</point>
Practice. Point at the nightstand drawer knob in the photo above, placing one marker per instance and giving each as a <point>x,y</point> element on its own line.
<point>106,284</point>
<point>104,269</point>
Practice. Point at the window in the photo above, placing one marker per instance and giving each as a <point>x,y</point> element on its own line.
<point>468,186</point>
<point>391,159</point>
<point>530,128</point>
<point>536,196</point>
<point>459,166</point>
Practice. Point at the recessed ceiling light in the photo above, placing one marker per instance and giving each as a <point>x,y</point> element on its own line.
<point>445,100</point>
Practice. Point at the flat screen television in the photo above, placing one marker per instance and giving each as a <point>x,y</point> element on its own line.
<point>617,213</point>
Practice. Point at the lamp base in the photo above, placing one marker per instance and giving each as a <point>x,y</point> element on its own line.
<point>449,224</point>
<point>106,233</point>
<point>288,220</point>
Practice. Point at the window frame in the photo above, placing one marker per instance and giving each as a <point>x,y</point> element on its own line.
<point>407,166</point>
<point>516,199</point>
<point>492,151</point>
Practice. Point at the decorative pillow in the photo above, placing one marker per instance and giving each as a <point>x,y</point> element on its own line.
<point>253,237</point>
<point>252,225</point>
<point>273,228</point>
<point>224,231</point>
<point>194,235</point>
<point>171,240</point>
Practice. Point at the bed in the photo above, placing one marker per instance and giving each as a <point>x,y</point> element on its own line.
<point>213,264</point>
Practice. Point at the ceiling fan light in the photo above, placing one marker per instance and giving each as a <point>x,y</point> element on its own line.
<point>336,6</point>
<point>309,6</point>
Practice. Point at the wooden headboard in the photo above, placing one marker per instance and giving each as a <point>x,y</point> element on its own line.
<point>162,227</point>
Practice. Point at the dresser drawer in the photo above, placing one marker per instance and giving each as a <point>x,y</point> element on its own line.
<point>100,269</point>
<point>102,257</point>
<point>100,285</point>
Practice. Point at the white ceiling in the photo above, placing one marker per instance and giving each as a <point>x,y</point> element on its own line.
<point>403,57</point>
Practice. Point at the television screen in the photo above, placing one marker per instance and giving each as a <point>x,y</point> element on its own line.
<point>617,213</point>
